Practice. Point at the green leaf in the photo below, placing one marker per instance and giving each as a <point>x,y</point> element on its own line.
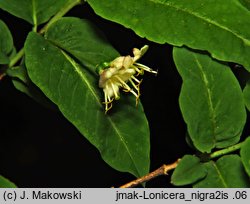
<point>5,183</point>
<point>34,11</point>
<point>6,43</point>
<point>246,3</point>
<point>3,59</point>
<point>122,135</point>
<point>245,155</point>
<point>82,40</point>
<point>18,72</point>
<point>218,26</point>
<point>13,53</point>
<point>211,100</point>
<point>226,172</point>
<point>22,82</point>
<point>188,171</point>
<point>246,93</point>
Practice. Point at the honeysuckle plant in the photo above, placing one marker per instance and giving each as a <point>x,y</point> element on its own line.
<point>68,64</point>
<point>118,73</point>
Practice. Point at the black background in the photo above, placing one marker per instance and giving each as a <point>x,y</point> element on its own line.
<point>40,148</point>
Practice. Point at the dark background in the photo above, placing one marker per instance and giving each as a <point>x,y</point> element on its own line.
<point>40,148</point>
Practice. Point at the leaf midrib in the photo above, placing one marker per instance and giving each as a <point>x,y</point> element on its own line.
<point>85,80</point>
<point>209,97</point>
<point>220,175</point>
<point>246,41</point>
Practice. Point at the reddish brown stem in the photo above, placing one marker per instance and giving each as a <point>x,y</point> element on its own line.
<point>163,170</point>
<point>2,76</point>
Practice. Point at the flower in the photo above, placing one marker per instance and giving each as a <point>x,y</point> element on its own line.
<point>118,73</point>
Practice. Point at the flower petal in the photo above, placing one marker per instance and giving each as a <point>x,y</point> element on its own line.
<point>139,53</point>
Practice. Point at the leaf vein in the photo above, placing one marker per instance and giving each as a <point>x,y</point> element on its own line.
<point>84,79</point>
<point>220,175</point>
<point>192,13</point>
<point>209,97</point>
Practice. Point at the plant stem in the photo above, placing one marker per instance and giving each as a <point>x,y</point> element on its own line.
<point>60,14</point>
<point>16,58</point>
<point>163,170</point>
<point>225,151</point>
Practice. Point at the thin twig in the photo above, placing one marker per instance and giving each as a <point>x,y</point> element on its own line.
<point>57,16</point>
<point>60,14</point>
<point>2,76</point>
<point>226,150</point>
<point>163,170</point>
